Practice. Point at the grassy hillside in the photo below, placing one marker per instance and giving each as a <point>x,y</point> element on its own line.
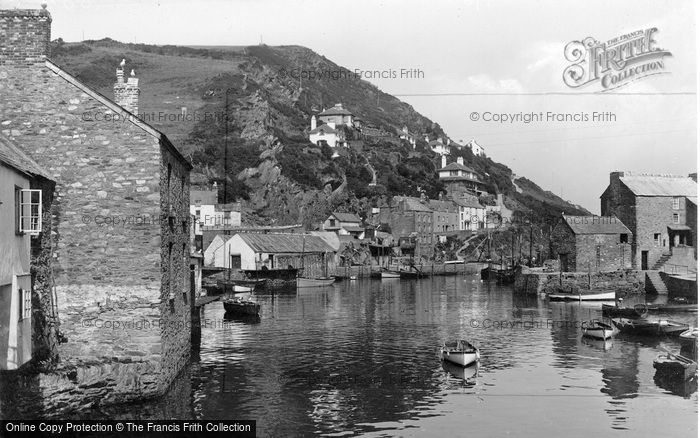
<point>272,165</point>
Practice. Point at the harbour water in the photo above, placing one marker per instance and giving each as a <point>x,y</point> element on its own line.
<point>360,359</point>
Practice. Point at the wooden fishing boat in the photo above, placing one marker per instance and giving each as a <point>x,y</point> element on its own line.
<point>612,311</point>
<point>460,352</point>
<point>390,274</point>
<point>675,366</point>
<point>314,282</point>
<point>597,330</point>
<point>412,274</point>
<point>650,328</point>
<point>689,338</point>
<point>460,372</point>
<point>592,295</point>
<point>239,307</point>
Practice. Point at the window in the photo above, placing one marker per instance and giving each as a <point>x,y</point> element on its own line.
<point>185,260</point>
<point>676,203</point>
<point>676,218</point>
<point>623,238</point>
<point>25,303</point>
<point>235,261</point>
<point>657,239</point>
<point>28,211</point>
<point>332,222</point>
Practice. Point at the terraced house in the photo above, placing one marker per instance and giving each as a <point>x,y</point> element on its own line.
<point>120,216</point>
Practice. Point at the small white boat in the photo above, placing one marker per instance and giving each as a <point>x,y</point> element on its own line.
<point>315,282</point>
<point>460,352</point>
<point>391,274</point>
<point>597,330</point>
<point>353,277</point>
<point>239,288</point>
<point>600,296</point>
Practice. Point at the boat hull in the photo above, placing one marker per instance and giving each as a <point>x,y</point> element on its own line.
<point>241,308</point>
<point>674,368</point>
<point>303,282</point>
<point>597,330</point>
<point>606,296</point>
<point>649,328</point>
<point>689,338</point>
<point>390,274</point>
<point>460,358</point>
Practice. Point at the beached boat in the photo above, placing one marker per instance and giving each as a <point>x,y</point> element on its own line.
<point>460,352</point>
<point>239,307</point>
<point>675,366</point>
<point>650,328</point>
<point>597,329</point>
<point>591,295</point>
<point>315,282</point>
<point>689,338</point>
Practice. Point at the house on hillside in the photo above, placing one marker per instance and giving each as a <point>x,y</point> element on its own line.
<point>472,215</point>
<point>344,224</point>
<point>592,243</point>
<point>439,146</point>
<point>250,251</point>
<point>656,208</point>
<point>445,216</point>
<point>26,193</point>
<point>459,178</point>
<point>120,223</point>
<point>411,223</point>
<point>405,135</point>
<point>209,213</point>
<point>476,148</point>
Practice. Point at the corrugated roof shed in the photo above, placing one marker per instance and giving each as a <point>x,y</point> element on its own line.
<point>285,243</point>
<point>661,185</point>
<point>12,155</point>
<point>596,225</point>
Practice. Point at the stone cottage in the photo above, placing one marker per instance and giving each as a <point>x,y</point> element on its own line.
<point>592,243</point>
<point>657,208</point>
<point>120,217</point>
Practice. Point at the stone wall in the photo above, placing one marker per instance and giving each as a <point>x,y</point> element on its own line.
<point>533,282</point>
<point>119,228</point>
<point>602,252</point>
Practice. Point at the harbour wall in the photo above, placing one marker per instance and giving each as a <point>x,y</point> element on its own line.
<point>536,282</point>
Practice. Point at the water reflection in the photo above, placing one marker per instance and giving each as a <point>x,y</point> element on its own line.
<point>361,357</point>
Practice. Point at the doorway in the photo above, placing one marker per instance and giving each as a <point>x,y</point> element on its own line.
<point>645,260</point>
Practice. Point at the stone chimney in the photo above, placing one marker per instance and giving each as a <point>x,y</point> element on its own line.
<point>460,160</point>
<point>25,35</point>
<point>126,94</point>
<point>615,176</point>
<point>444,161</point>
<point>313,122</point>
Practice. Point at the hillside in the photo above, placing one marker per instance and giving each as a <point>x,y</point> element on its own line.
<point>282,177</point>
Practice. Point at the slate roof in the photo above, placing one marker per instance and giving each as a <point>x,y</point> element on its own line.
<point>12,155</point>
<point>660,185</point>
<point>467,202</point>
<point>412,204</point>
<point>336,110</point>
<point>285,243</point>
<point>457,166</point>
<point>346,217</point>
<point>203,197</point>
<point>325,128</point>
<point>596,225</point>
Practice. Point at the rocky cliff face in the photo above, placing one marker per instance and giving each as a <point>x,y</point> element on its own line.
<point>272,166</point>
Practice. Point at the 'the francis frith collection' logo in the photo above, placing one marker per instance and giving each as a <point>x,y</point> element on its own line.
<point>614,63</point>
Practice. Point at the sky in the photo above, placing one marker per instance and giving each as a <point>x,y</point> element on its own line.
<point>474,57</point>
